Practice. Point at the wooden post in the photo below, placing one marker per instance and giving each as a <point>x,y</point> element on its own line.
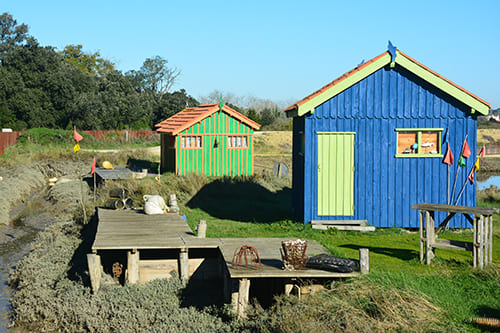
<point>474,243</point>
<point>429,237</point>
<point>364,260</point>
<point>95,269</point>
<point>201,229</point>
<point>490,261</point>
<point>480,236</point>
<point>486,238</point>
<point>184,265</point>
<point>243,294</point>
<point>421,233</point>
<point>132,267</point>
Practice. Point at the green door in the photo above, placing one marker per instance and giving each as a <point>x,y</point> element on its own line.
<point>335,173</point>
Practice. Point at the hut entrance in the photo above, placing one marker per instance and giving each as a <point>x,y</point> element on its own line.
<point>336,173</point>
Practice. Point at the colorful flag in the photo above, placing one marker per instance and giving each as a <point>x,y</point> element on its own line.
<point>476,165</point>
<point>448,157</point>
<point>482,152</point>
<point>465,149</point>
<point>461,161</point>
<point>76,148</point>
<point>92,169</point>
<point>77,136</point>
<point>471,176</point>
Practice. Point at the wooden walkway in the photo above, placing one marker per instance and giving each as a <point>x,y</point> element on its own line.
<point>132,231</point>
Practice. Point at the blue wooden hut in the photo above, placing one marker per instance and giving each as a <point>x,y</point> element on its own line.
<point>369,145</point>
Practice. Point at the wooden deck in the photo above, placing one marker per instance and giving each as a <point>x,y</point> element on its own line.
<point>132,231</point>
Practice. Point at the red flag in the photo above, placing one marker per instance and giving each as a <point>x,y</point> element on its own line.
<point>448,157</point>
<point>92,170</point>
<point>466,149</point>
<point>471,176</point>
<point>482,152</point>
<point>77,136</point>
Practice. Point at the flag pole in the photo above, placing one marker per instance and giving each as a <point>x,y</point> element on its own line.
<point>458,169</point>
<point>448,185</point>
<point>475,168</point>
<point>465,184</point>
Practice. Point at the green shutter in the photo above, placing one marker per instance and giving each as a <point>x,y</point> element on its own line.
<point>335,173</point>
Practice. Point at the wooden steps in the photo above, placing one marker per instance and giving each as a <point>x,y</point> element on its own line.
<point>348,225</point>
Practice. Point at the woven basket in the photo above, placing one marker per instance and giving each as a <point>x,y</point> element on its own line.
<point>293,254</point>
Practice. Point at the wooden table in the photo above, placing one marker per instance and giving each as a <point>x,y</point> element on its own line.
<point>482,223</point>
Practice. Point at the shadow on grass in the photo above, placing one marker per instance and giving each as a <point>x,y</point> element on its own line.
<point>244,201</point>
<point>403,254</point>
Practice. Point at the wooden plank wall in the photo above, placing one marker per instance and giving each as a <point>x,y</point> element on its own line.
<point>215,159</point>
<point>386,186</point>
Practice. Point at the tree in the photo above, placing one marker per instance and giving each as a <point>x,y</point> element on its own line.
<point>267,117</point>
<point>11,34</point>
<point>173,103</point>
<point>252,114</point>
<point>90,63</point>
<point>157,77</point>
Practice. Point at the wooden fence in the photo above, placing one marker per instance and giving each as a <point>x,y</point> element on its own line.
<point>10,138</point>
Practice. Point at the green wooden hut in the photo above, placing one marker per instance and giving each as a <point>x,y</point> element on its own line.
<point>210,139</point>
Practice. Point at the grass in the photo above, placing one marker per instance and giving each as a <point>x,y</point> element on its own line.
<point>399,294</point>
<point>450,288</point>
<point>41,144</point>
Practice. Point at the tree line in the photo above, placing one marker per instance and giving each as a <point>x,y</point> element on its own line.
<point>43,87</point>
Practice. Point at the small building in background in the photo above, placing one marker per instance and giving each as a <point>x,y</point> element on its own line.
<point>210,139</point>
<point>370,144</point>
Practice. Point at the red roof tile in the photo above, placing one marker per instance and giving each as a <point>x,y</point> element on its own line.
<point>190,116</point>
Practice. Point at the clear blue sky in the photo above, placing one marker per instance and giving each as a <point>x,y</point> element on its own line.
<point>278,50</point>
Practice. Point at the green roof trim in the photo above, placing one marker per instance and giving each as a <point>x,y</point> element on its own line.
<point>443,84</point>
<point>343,85</point>
<point>349,79</point>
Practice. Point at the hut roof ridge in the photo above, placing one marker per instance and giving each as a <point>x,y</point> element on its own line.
<point>191,115</point>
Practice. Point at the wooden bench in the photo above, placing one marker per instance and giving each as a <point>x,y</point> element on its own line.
<point>482,223</point>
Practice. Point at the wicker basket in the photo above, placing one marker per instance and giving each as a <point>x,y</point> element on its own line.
<point>293,254</point>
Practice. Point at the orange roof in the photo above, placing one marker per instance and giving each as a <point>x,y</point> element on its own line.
<point>190,116</point>
<point>360,67</point>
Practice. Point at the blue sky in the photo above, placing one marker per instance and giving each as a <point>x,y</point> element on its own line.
<point>278,50</point>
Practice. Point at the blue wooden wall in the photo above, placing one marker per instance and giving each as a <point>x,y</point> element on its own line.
<point>385,187</point>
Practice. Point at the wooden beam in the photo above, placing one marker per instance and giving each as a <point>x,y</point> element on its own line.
<point>445,222</point>
<point>364,260</point>
<point>95,270</point>
<point>429,236</point>
<point>184,265</point>
<point>201,229</point>
<point>132,276</point>
<point>421,235</point>
<point>243,294</point>
<point>453,245</point>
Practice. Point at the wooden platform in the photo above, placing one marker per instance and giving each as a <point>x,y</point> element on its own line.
<point>132,231</point>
